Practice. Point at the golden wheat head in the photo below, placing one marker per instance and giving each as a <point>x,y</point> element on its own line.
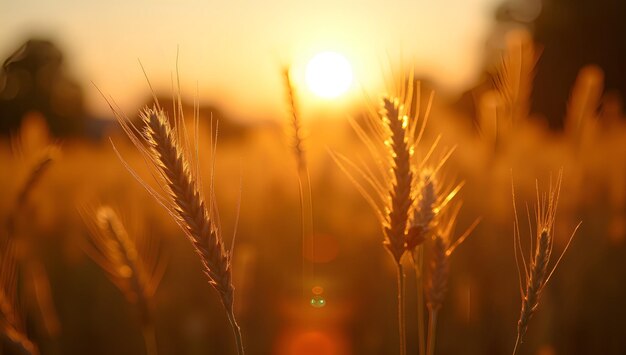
<point>167,150</point>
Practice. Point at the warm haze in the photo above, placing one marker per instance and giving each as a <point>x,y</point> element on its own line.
<point>423,177</point>
<point>234,49</point>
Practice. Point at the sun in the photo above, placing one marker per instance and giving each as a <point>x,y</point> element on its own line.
<point>328,74</point>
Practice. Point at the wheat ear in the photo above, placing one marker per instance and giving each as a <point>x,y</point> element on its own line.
<point>536,271</point>
<point>419,230</point>
<point>400,196</point>
<point>36,173</point>
<point>161,145</point>
<point>389,138</point>
<point>188,204</point>
<point>436,288</point>
<point>400,193</point>
<point>296,132</point>
<point>11,325</point>
<point>36,271</point>
<point>432,200</point>
<point>443,246</point>
<point>133,264</point>
<point>33,268</point>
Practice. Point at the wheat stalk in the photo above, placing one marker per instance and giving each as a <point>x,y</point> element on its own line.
<point>188,205</point>
<point>296,131</point>
<point>432,199</point>
<point>11,324</point>
<point>304,181</point>
<point>535,272</point>
<point>391,133</point>
<point>508,104</point>
<point>400,197</point>
<point>167,151</point>
<point>389,190</point>
<point>443,246</point>
<point>35,175</point>
<point>12,328</point>
<point>401,191</point>
<point>423,218</point>
<point>132,264</point>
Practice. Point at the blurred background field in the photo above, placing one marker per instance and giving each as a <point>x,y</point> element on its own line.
<point>522,88</point>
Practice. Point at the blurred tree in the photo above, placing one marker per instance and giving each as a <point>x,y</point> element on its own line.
<point>33,79</point>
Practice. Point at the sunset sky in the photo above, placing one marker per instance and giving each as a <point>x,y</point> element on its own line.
<point>233,50</point>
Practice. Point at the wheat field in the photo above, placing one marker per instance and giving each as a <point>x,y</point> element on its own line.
<point>409,226</point>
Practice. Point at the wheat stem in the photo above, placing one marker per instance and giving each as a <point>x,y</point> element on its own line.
<point>437,287</point>
<point>308,234</point>
<point>304,184</point>
<point>236,330</point>
<point>149,337</point>
<point>432,330</point>
<point>537,274</point>
<point>517,343</point>
<point>401,310</point>
<point>420,306</point>
<point>181,195</point>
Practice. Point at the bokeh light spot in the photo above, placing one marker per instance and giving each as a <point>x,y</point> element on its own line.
<point>317,290</point>
<point>318,301</point>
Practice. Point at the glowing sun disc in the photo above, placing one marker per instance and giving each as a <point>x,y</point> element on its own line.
<point>328,74</point>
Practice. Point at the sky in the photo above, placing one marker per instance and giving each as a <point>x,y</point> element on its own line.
<point>230,52</point>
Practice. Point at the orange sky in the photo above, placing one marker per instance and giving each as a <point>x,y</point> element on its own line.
<point>232,50</point>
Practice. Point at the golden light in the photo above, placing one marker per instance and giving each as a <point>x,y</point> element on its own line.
<point>328,74</point>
